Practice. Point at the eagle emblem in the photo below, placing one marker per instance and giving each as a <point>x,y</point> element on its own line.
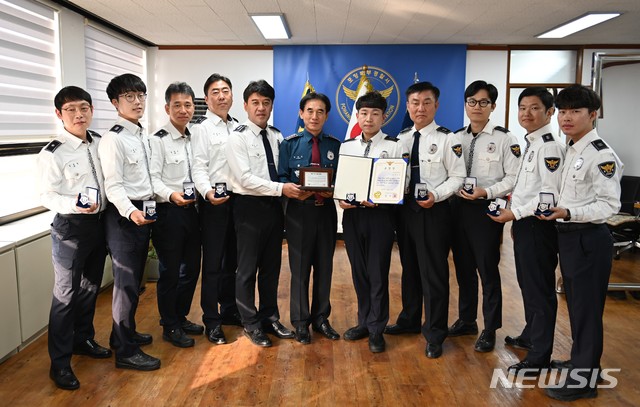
<point>608,168</point>
<point>457,150</point>
<point>515,150</point>
<point>552,163</point>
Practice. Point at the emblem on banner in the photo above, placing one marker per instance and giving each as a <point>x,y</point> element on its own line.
<point>377,79</point>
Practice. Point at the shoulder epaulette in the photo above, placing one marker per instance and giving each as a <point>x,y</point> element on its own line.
<point>406,129</point>
<point>293,136</point>
<point>275,128</point>
<point>93,133</point>
<point>161,133</point>
<point>444,130</point>
<point>200,119</point>
<point>502,129</point>
<point>116,128</point>
<point>392,138</point>
<point>349,139</point>
<point>460,129</point>
<point>599,144</point>
<point>53,145</point>
<point>240,128</point>
<point>547,137</point>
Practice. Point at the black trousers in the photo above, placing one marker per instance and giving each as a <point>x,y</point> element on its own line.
<point>128,244</point>
<point>311,237</point>
<point>176,237</point>
<point>424,240</point>
<point>368,237</point>
<point>219,262</point>
<point>259,225</point>
<point>78,254</point>
<point>535,247</point>
<point>476,250</point>
<point>585,260</point>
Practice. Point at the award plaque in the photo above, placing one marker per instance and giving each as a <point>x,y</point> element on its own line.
<point>469,184</point>
<point>547,201</point>
<point>494,206</point>
<point>220,190</point>
<point>189,190</point>
<point>421,193</point>
<point>149,209</point>
<point>316,179</point>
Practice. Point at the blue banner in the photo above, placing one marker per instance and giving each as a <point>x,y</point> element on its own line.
<point>336,71</point>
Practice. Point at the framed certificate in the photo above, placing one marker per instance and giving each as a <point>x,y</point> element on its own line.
<point>377,180</point>
<point>316,179</point>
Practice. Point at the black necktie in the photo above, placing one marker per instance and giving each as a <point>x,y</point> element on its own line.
<point>273,174</point>
<point>415,171</point>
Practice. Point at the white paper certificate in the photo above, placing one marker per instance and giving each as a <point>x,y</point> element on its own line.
<point>388,180</point>
<point>352,177</point>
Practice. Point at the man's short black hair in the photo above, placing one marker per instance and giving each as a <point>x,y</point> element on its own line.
<point>71,94</point>
<point>421,87</point>
<point>178,87</point>
<point>124,83</point>
<point>541,93</point>
<point>316,96</point>
<point>260,87</point>
<point>215,78</point>
<point>578,96</point>
<point>372,100</point>
<point>477,86</point>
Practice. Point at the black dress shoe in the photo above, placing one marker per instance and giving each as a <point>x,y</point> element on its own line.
<point>376,343</point>
<point>355,333</point>
<point>216,335</point>
<point>566,364</point>
<point>327,330</point>
<point>91,348</point>
<point>302,335</point>
<point>232,319</point>
<point>258,337</point>
<point>397,329</point>
<point>570,390</point>
<point>191,328</point>
<point>142,339</point>
<point>64,378</point>
<point>138,361</point>
<point>528,369</point>
<point>486,342</point>
<point>178,338</point>
<point>460,328</point>
<point>518,342</point>
<point>433,350</point>
<point>279,330</point>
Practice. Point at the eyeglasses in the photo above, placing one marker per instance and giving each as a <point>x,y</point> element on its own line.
<point>482,103</point>
<point>74,110</point>
<point>131,97</point>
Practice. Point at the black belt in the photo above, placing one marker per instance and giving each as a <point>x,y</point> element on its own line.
<point>307,202</point>
<point>76,216</point>
<point>172,205</point>
<point>572,227</point>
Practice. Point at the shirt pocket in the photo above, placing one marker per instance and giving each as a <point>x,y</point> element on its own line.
<point>489,164</point>
<point>432,167</point>
<point>174,165</point>
<point>580,187</point>
<point>529,170</point>
<point>74,173</point>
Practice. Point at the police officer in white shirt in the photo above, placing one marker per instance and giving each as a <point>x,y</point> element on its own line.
<point>369,228</point>
<point>535,242</point>
<point>209,136</point>
<point>492,156</point>
<point>424,225</point>
<point>589,194</point>
<point>124,153</point>
<point>68,173</point>
<point>176,233</point>
<point>252,154</point>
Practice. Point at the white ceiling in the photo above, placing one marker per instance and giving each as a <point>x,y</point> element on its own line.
<point>496,22</point>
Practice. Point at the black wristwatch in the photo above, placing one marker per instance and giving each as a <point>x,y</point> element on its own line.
<point>568,217</point>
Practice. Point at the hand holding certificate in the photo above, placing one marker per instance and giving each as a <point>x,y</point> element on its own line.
<point>377,180</point>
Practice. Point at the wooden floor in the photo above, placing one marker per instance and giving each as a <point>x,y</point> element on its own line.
<point>327,373</point>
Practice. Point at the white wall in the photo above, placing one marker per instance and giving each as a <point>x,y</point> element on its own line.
<point>490,66</point>
<point>195,66</point>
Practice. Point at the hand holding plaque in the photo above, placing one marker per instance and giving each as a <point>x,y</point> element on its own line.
<point>316,179</point>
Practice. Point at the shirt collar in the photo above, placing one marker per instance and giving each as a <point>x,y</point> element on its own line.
<point>175,133</point>
<point>581,144</point>
<point>427,129</point>
<point>539,133</point>
<point>132,127</point>
<point>72,140</point>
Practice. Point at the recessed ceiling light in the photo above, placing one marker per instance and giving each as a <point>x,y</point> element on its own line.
<point>588,20</point>
<point>272,26</point>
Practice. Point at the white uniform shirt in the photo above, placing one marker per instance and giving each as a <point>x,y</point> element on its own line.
<point>540,171</point>
<point>126,171</point>
<point>382,146</point>
<point>64,171</point>
<point>591,180</point>
<point>209,136</point>
<point>171,161</point>
<point>441,162</point>
<point>248,170</point>
<point>494,156</point>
